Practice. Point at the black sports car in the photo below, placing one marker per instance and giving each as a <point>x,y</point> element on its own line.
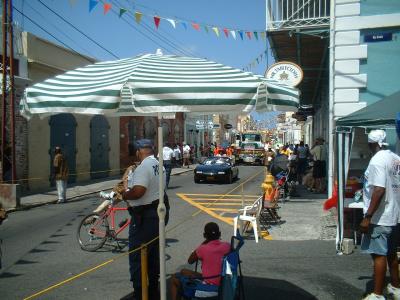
<point>218,168</point>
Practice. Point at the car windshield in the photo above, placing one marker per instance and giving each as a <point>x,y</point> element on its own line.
<point>216,161</point>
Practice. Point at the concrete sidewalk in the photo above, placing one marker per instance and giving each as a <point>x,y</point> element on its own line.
<point>77,190</point>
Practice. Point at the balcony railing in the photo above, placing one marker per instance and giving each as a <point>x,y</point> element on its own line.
<point>291,14</point>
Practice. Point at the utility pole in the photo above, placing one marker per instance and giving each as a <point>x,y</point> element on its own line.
<point>4,89</point>
<point>12,90</point>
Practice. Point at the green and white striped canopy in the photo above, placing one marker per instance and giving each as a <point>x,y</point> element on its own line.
<point>154,83</point>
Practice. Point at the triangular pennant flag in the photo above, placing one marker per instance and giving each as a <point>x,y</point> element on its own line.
<point>173,23</point>
<point>216,30</point>
<point>122,11</point>
<point>157,21</point>
<point>72,2</point>
<point>256,35</point>
<point>184,25</point>
<point>266,52</point>
<point>263,35</point>
<point>257,61</point>
<point>233,32</point>
<point>206,28</point>
<point>241,34</point>
<point>248,33</point>
<point>226,32</point>
<point>138,16</point>
<point>92,4</point>
<point>107,7</point>
<point>196,26</point>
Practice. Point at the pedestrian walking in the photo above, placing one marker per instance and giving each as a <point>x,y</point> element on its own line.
<point>61,173</point>
<point>210,252</point>
<point>177,156</point>
<point>168,155</point>
<point>186,155</point>
<point>143,199</point>
<point>381,197</point>
<point>319,169</point>
<point>302,154</point>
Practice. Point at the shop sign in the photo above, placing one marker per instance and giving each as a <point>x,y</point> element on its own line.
<point>378,37</point>
<point>285,72</point>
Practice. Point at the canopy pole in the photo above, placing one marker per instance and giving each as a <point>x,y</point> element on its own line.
<point>161,211</point>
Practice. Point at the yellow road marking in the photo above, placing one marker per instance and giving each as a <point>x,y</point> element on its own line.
<point>221,199</point>
<point>218,203</point>
<point>227,194</point>
<point>225,209</point>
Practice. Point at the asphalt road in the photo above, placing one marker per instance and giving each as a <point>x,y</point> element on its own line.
<point>40,250</point>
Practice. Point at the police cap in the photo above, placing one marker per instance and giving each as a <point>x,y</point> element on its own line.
<point>144,143</point>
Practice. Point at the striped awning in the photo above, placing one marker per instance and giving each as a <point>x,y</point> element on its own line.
<point>156,83</point>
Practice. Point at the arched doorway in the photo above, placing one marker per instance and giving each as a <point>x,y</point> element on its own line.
<point>149,129</point>
<point>63,134</point>
<point>99,147</point>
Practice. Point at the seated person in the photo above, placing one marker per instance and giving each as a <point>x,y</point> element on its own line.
<point>210,253</point>
<point>116,193</point>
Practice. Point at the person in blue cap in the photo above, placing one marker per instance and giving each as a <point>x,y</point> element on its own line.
<point>143,198</point>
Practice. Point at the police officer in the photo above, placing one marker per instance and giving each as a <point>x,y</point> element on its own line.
<point>143,198</point>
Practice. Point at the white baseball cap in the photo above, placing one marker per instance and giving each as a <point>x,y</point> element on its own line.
<point>377,136</point>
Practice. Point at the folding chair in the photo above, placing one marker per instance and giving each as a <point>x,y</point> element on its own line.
<point>231,285</point>
<point>250,214</point>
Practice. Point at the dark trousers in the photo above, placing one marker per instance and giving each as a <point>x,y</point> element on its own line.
<point>143,230</point>
<point>168,168</point>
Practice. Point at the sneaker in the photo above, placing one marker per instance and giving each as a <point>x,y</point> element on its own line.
<point>373,296</point>
<point>393,292</point>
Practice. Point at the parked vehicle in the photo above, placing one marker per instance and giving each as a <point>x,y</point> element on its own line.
<point>217,168</point>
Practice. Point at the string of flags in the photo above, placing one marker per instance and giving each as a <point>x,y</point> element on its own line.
<point>255,35</point>
<point>255,62</point>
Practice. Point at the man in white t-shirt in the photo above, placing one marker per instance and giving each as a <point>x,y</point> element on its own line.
<point>186,154</point>
<point>168,154</point>
<point>381,197</point>
<point>143,198</point>
<point>177,155</point>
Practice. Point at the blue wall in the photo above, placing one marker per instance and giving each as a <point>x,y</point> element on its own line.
<point>382,66</point>
<point>378,7</point>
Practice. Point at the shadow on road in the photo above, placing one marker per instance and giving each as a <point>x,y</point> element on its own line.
<point>265,288</point>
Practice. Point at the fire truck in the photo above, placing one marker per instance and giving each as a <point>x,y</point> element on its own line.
<point>249,148</point>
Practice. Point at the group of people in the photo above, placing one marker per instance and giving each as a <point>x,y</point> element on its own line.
<point>308,164</point>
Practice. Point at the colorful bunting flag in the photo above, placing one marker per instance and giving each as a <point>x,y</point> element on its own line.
<point>107,7</point>
<point>226,32</point>
<point>92,4</point>
<point>122,11</point>
<point>216,30</point>
<point>233,33</point>
<point>257,60</point>
<point>172,22</point>
<point>206,28</point>
<point>138,16</point>
<point>157,21</point>
<point>184,25</point>
<point>196,26</point>
<point>256,35</point>
<point>263,35</point>
<point>248,33</point>
<point>241,34</point>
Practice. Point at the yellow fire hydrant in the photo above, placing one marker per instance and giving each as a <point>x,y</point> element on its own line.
<point>268,187</point>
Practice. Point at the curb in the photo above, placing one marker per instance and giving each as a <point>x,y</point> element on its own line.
<point>74,198</point>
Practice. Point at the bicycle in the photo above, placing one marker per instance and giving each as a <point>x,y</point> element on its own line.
<point>95,229</point>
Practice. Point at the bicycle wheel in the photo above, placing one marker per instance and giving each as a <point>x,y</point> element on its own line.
<point>92,232</point>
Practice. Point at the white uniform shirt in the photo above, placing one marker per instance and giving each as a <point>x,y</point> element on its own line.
<point>147,175</point>
<point>384,171</point>
<point>186,149</point>
<point>168,153</point>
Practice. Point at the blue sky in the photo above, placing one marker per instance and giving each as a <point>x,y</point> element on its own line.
<point>124,38</point>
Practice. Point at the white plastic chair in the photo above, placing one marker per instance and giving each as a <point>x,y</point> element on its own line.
<point>249,215</point>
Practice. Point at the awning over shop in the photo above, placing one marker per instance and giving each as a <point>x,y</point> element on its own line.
<point>379,114</point>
